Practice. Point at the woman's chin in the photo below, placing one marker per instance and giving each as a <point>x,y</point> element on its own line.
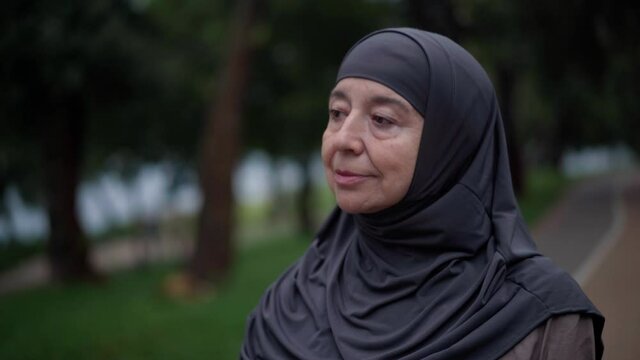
<point>355,206</point>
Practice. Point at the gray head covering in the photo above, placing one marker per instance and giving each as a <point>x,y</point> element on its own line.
<point>450,272</point>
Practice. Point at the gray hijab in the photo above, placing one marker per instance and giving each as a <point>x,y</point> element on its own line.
<point>450,272</point>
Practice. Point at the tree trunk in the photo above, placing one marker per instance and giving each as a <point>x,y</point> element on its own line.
<point>220,144</point>
<point>62,139</point>
<point>278,208</point>
<point>305,214</point>
<point>561,135</point>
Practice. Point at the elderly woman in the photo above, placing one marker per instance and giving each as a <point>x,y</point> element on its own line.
<point>426,255</point>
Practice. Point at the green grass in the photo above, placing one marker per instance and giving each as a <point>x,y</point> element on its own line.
<point>13,253</point>
<point>130,318</point>
<point>543,188</point>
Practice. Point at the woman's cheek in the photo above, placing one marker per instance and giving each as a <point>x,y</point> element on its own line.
<point>326,162</point>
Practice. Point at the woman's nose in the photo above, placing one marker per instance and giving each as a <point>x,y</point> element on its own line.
<point>351,134</point>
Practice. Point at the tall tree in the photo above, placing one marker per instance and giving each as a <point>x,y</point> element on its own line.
<point>50,57</point>
<point>220,146</point>
<point>76,75</point>
<point>62,146</point>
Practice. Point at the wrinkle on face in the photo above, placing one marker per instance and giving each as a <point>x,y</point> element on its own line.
<point>370,145</point>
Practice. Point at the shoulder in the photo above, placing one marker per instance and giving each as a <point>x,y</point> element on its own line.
<point>568,336</point>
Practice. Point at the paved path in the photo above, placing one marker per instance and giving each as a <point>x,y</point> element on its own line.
<point>594,233</point>
<point>107,257</point>
<point>614,282</point>
<point>574,227</point>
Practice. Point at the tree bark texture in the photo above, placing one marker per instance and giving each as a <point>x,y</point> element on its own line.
<point>62,139</point>
<point>220,146</point>
<point>304,198</point>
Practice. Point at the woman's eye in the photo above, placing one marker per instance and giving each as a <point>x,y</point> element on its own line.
<point>381,122</point>
<point>334,114</point>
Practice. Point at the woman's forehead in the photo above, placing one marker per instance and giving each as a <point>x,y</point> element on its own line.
<point>394,59</point>
<point>373,92</point>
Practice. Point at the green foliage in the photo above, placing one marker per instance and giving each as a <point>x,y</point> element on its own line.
<point>567,59</point>
<point>301,44</point>
<point>577,48</point>
<point>544,188</point>
<point>129,318</point>
<point>139,73</point>
<point>144,70</point>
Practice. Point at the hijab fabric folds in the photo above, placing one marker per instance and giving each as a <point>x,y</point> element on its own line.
<point>450,272</point>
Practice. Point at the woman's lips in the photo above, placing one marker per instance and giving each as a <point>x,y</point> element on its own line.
<point>347,178</point>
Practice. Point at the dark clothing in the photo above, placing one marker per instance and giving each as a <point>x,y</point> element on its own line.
<point>562,337</point>
<point>450,272</point>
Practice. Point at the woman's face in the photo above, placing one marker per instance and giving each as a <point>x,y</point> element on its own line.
<point>370,146</point>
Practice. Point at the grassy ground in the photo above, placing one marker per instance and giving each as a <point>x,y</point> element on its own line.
<point>543,187</point>
<point>13,253</point>
<point>129,318</point>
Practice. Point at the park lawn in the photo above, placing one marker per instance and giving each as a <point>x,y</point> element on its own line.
<point>544,186</point>
<point>129,317</point>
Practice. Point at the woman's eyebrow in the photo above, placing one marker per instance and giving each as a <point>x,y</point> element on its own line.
<point>385,100</point>
<point>338,94</point>
<point>377,100</point>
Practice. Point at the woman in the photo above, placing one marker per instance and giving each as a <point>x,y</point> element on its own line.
<point>427,255</point>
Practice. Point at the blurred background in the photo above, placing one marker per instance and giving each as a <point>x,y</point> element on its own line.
<point>159,159</point>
